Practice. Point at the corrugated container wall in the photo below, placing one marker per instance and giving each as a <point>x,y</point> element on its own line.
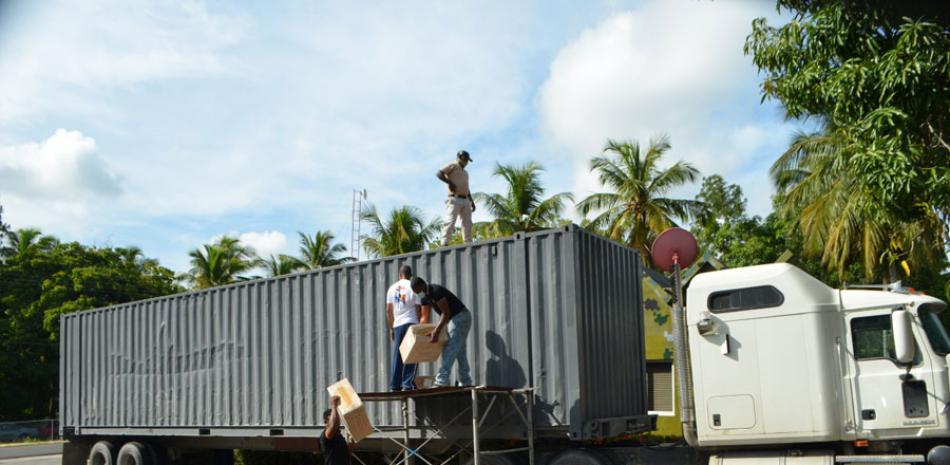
<point>559,309</point>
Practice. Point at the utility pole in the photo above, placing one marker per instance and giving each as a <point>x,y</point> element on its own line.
<point>358,197</point>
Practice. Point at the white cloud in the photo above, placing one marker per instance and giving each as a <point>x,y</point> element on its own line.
<point>56,182</point>
<point>61,57</point>
<point>674,67</point>
<point>65,166</point>
<point>264,243</point>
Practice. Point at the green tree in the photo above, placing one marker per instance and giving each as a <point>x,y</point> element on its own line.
<point>523,206</point>
<point>25,243</point>
<point>879,73</point>
<point>318,251</point>
<point>4,229</point>
<point>719,203</point>
<point>842,219</point>
<point>40,283</point>
<point>222,262</point>
<point>404,231</point>
<point>722,227</point>
<point>720,207</point>
<point>635,208</point>
<point>280,265</point>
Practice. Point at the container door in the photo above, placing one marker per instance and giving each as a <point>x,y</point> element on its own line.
<point>888,397</point>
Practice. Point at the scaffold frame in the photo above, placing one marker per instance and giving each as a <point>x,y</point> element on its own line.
<point>416,436</point>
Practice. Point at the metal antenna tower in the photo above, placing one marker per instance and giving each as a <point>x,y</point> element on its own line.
<point>358,197</point>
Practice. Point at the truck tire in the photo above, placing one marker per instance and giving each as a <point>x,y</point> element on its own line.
<point>102,453</point>
<point>579,457</point>
<point>134,453</point>
<point>939,455</point>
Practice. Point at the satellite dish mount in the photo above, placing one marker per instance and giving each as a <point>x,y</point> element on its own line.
<point>672,250</point>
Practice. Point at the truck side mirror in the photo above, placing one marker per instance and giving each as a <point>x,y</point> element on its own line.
<point>903,337</point>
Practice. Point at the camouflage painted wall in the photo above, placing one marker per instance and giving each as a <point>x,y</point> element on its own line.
<point>658,327</point>
<point>658,334</point>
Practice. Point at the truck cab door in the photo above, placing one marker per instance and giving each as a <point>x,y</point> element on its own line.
<point>890,398</point>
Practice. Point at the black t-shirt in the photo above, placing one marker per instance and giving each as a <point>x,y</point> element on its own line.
<point>335,451</point>
<point>435,293</point>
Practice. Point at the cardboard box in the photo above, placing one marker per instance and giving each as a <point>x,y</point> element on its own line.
<point>424,382</point>
<point>416,348</point>
<point>351,410</point>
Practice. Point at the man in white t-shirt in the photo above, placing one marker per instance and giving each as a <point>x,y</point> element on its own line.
<point>404,309</point>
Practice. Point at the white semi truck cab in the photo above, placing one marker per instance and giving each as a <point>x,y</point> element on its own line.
<point>776,357</point>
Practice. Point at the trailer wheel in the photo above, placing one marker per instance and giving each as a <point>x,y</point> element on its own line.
<point>579,457</point>
<point>134,453</point>
<point>102,453</point>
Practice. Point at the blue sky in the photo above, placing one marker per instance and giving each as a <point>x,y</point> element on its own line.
<point>165,124</point>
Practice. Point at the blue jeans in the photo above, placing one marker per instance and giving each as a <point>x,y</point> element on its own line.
<point>404,376</point>
<point>458,328</point>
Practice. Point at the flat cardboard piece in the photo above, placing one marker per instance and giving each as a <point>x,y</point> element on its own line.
<point>424,381</point>
<point>416,348</point>
<point>352,411</point>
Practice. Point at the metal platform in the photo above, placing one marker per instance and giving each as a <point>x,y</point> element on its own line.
<point>419,430</point>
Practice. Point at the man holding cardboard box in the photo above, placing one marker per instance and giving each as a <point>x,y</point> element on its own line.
<point>403,309</point>
<point>335,449</point>
<point>455,317</point>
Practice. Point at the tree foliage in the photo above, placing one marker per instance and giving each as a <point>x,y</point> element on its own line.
<point>635,207</point>
<point>744,240</point>
<point>403,231</point>
<point>842,220</point>
<point>41,279</point>
<point>722,228</point>
<point>879,73</point>
<point>222,262</point>
<point>4,228</point>
<point>319,250</point>
<point>523,206</point>
<point>280,265</point>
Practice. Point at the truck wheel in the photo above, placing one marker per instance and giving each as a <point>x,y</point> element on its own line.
<point>939,455</point>
<point>579,457</point>
<point>134,453</point>
<point>102,453</point>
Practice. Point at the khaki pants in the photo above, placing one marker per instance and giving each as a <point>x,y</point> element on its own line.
<point>457,207</point>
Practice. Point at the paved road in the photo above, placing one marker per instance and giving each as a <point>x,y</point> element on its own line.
<point>40,460</point>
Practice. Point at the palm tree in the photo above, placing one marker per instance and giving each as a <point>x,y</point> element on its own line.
<point>635,208</point>
<point>319,250</point>
<point>26,242</point>
<point>839,218</point>
<point>280,265</point>
<point>523,207</point>
<point>220,263</point>
<point>404,231</point>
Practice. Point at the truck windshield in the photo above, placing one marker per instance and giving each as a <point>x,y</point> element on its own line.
<point>936,333</point>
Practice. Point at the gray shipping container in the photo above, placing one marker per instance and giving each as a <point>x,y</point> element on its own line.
<point>559,310</point>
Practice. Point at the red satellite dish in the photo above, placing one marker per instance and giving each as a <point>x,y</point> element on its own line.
<point>675,245</point>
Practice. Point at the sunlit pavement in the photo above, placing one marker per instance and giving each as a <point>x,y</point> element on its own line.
<point>40,460</point>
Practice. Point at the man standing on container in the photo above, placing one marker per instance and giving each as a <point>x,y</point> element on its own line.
<point>403,309</point>
<point>460,202</point>
<point>455,317</point>
<point>335,449</point>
